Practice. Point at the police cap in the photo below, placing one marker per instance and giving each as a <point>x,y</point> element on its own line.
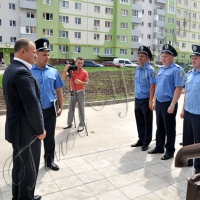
<point>196,50</point>
<point>42,44</point>
<point>167,48</point>
<point>146,50</point>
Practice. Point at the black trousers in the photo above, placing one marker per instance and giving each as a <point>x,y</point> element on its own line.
<point>24,176</point>
<point>144,120</point>
<point>191,133</point>
<point>166,126</point>
<point>49,141</point>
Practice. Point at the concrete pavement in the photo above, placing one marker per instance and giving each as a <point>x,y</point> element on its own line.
<point>102,165</point>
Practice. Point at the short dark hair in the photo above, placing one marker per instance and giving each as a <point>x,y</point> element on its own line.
<point>22,43</point>
<point>79,58</point>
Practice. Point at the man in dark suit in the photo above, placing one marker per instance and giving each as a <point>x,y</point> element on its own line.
<point>24,126</point>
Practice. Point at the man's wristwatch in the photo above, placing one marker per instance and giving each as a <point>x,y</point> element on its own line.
<point>172,105</point>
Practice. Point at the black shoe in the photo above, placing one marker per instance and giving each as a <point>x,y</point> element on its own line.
<point>53,166</point>
<point>67,126</point>
<point>181,143</point>
<point>154,151</point>
<point>144,148</point>
<point>37,197</point>
<point>166,157</point>
<point>137,144</point>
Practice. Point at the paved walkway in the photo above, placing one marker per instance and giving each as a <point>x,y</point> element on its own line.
<point>102,165</point>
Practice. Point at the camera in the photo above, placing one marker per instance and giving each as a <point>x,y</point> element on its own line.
<point>72,66</point>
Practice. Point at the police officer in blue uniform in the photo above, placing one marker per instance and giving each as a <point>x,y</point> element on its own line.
<point>191,107</point>
<point>144,79</point>
<point>50,83</point>
<point>169,84</point>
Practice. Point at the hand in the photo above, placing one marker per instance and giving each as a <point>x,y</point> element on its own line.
<point>151,105</point>
<point>170,109</point>
<point>42,136</point>
<point>59,112</point>
<point>182,114</point>
<point>66,69</point>
<point>77,81</point>
<point>154,105</point>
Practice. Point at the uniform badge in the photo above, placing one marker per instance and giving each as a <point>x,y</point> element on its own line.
<point>141,48</point>
<point>166,46</point>
<point>194,47</point>
<point>180,74</point>
<point>153,75</point>
<point>45,44</point>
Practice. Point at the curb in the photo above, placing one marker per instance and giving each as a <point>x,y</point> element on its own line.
<point>96,103</point>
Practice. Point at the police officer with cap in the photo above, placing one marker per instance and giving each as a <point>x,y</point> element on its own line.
<point>144,79</point>
<point>191,107</point>
<point>50,83</point>
<point>169,84</point>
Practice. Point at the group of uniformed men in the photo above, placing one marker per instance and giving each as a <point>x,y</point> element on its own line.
<point>161,93</point>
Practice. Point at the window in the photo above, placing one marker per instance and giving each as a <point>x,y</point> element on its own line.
<point>11,6</point>
<point>77,49</point>
<point>124,25</point>
<point>183,55</point>
<point>184,24</point>
<point>77,20</point>
<point>63,19</point>
<point>124,1</point>
<point>177,44</point>
<point>97,9</point>
<point>12,23</point>
<point>124,12</point>
<point>48,32</point>
<point>149,24</point>
<point>178,12</point>
<point>170,32</point>
<point>96,36</point>
<point>149,12</point>
<point>194,15</point>
<point>108,38</point>
<point>143,12</point>
<point>135,13</point>
<point>0,22</point>
<point>133,26</point>
<point>171,9</point>
<point>198,37</point>
<point>108,24</point>
<point>135,39</point>
<point>51,47</point>
<point>64,4</point>
<point>183,45</point>
<point>179,1</point>
<point>170,20</point>
<point>96,50</point>
<point>123,38</point>
<point>177,22</point>
<point>160,30</point>
<point>63,48</point>
<point>30,15</point>
<point>148,36</point>
<point>160,41</point>
<point>0,38</point>
<point>142,24</point>
<point>108,51</point>
<point>133,1</point>
<point>13,39</point>
<point>186,3</point>
<point>199,26</point>
<point>184,34</point>
<point>48,2</point>
<point>193,25</point>
<point>195,5</point>
<point>161,18</point>
<point>132,51</point>
<point>193,36</point>
<point>185,13</point>
<point>77,35</point>
<point>123,51</point>
<point>96,22</point>
<point>108,10</point>
<point>178,33</point>
<point>78,6</point>
<point>31,29</point>
<point>48,16</point>
<point>150,1</point>
<point>63,34</point>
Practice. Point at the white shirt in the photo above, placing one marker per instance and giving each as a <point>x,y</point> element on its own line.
<point>24,62</point>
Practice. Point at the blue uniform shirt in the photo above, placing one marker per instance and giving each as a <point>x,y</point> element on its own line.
<point>192,98</point>
<point>49,80</point>
<point>144,77</point>
<point>167,80</point>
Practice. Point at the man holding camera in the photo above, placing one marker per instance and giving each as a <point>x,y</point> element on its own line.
<point>78,81</point>
<point>50,83</point>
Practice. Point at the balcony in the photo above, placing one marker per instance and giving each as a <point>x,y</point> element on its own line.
<point>160,1</point>
<point>28,4</point>
<point>135,45</point>
<point>28,21</point>
<point>137,7</point>
<point>136,32</point>
<point>158,35</point>
<point>32,37</point>
<point>136,20</point>
<point>159,23</point>
<point>159,12</point>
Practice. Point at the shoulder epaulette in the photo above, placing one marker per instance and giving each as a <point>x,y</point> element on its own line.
<point>50,66</point>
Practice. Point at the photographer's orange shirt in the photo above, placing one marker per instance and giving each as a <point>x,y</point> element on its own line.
<point>82,75</point>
